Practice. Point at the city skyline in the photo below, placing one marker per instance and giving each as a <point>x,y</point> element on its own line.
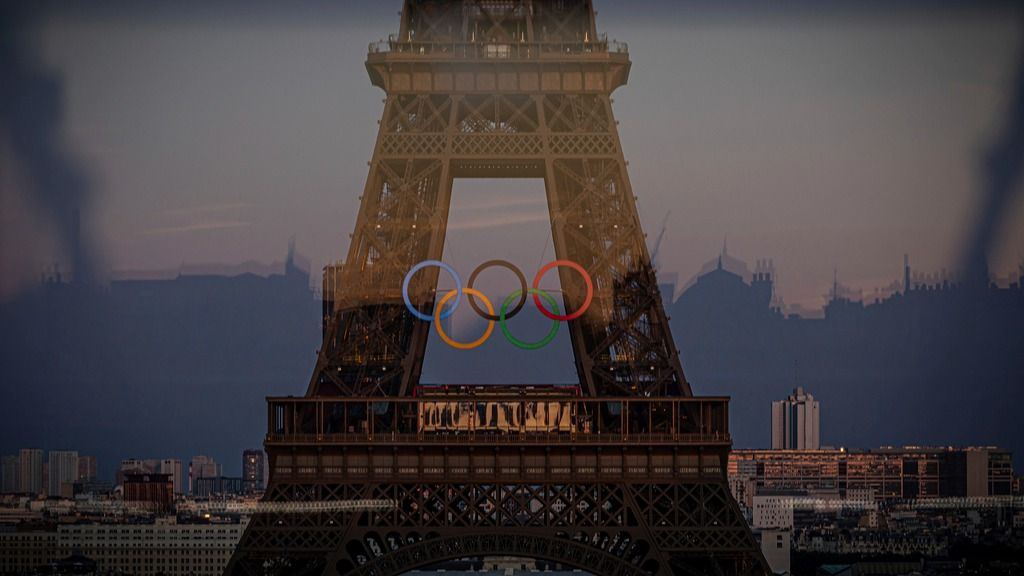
<point>820,223</point>
<point>792,499</point>
<point>285,297</point>
<point>259,418</point>
<point>27,472</point>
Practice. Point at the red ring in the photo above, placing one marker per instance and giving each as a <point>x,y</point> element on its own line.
<point>586,301</point>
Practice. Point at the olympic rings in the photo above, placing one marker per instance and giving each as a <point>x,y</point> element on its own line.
<point>446,338</point>
<point>521,291</point>
<point>440,313</point>
<point>417,268</point>
<point>508,334</point>
<point>586,300</point>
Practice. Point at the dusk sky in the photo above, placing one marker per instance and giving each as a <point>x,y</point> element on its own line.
<point>822,139</point>
<point>827,139</point>
<point>180,181</point>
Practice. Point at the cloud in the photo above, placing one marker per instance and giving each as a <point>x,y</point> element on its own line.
<point>207,209</point>
<point>499,204</point>
<point>202,218</point>
<point>499,220</point>
<point>198,227</point>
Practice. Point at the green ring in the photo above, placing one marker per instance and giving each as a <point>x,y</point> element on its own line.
<point>529,345</point>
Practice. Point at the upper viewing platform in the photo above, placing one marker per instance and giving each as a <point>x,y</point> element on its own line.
<point>537,45</point>
<point>598,49</point>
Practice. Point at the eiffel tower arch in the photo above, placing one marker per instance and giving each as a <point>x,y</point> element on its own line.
<point>372,473</point>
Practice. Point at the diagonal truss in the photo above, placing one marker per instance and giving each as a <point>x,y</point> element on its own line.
<point>622,345</point>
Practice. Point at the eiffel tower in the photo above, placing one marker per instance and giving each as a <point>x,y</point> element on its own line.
<point>372,473</point>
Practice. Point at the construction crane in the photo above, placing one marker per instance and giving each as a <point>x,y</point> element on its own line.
<point>657,243</point>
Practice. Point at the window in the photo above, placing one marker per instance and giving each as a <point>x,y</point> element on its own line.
<point>497,51</point>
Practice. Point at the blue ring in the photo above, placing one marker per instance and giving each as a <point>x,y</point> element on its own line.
<point>405,289</point>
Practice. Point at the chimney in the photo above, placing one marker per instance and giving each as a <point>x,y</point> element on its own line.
<point>76,247</point>
<point>906,273</point>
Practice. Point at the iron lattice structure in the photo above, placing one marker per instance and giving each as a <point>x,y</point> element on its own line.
<point>629,477</point>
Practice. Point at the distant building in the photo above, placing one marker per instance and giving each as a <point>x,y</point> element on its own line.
<point>796,422</point>
<point>169,466</point>
<point>135,466</point>
<point>207,487</point>
<point>9,475</point>
<point>94,487</point>
<point>150,492</point>
<point>173,467</point>
<point>22,552</point>
<point>773,511</point>
<point>62,468</point>
<point>253,464</point>
<point>86,468</point>
<point>261,302</point>
<point>30,471</point>
<point>129,465</point>
<point>202,467</point>
<point>927,356</point>
<point>164,547</point>
<point>776,545</point>
<point>884,473</point>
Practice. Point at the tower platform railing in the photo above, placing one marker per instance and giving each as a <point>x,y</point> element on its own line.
<point>498,419</point>
<point>498,49</point>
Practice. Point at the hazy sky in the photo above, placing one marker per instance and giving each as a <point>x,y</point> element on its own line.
<point>839,138</point>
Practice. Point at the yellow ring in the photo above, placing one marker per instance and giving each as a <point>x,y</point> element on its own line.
<point>461,345</point>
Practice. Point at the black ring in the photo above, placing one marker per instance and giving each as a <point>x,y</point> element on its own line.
<point>522,284</point>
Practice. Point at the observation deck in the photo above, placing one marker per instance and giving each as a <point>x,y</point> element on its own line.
<point>600,49</point>
<point>500,419</point>
<point>497,438</point>
<point>598,66</point>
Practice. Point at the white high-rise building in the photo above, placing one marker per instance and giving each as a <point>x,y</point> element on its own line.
<point>62,466</point>
<point>173,467</point>
<point>773,512</point>
<point>796,422</point>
